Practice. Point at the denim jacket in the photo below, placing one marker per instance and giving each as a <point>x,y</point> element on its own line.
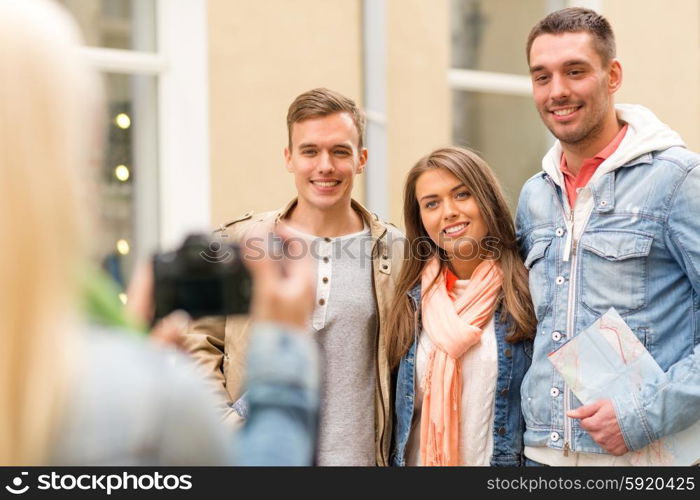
<point>282,398</point>
<point>632,242</point>
<point>513,361</point>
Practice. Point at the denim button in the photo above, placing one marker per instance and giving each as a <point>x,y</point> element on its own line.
<point>504,391</point>
<point>554,436</point>
<point>560,280</point>
<point>501,431</point>
<point>554,392</point>
<point>556,336</point>
<point>559,232</point>
<point>508,353</point>
<point>603,203</point>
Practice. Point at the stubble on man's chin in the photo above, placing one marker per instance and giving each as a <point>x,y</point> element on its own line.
<point>579,139</point>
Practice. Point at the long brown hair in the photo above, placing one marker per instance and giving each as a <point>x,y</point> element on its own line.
<point>473,171</point>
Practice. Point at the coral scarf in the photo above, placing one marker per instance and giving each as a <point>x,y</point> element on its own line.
<point>453,327</point>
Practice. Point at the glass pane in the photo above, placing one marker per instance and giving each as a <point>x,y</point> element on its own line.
<point>116,24</point>
<point>128,229</point>
<point>490,35</point>
<point>506,131</point>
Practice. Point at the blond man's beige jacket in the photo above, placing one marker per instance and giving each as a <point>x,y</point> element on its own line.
<point>219,343</point>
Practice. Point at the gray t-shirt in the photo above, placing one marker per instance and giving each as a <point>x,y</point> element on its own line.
<point>345,325</point>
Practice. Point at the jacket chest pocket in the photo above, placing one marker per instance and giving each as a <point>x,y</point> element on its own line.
<point>536,265</point>
<point>614,269</point>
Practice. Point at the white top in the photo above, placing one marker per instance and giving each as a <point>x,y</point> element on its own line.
<point>550,456</point>
<point>479,378</point>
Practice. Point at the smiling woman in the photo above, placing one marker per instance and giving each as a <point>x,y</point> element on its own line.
<point>474,316</point>
<point>451,217</point>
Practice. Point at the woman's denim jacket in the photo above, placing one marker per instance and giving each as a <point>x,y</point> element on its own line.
<point>508,425</point>
<point>639,253</point>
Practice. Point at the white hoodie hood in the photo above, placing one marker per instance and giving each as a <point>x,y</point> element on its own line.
<point>645,134</point>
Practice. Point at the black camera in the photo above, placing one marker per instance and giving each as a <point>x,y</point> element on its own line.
<point>204,277</point>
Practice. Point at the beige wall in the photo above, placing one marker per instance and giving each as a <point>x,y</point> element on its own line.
<point>259,62</point>
<point>659,46</point>
<point>418,99</point>
<point>262,54</point>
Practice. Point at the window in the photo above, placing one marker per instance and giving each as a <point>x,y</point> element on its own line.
<point>492,108</point>
<point>155,173</point>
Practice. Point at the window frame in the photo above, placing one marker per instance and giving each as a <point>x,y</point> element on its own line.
<point>180,65</point>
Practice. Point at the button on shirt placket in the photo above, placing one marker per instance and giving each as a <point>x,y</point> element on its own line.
<point>324,248</point>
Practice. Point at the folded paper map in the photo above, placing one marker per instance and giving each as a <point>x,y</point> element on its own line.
<point>607,359</point>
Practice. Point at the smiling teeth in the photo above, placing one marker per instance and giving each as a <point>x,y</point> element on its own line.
<point>455,229</point>
<point>326,184</point>
<point>564,112</point>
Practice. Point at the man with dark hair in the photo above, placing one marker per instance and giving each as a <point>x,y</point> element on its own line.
<point>577,20</point>
<point>356,268</point>
<point>611,221</point>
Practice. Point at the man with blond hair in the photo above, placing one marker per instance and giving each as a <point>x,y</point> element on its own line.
<point>357,260</point>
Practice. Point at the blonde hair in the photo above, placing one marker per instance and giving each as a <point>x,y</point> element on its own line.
<point>48,100</point>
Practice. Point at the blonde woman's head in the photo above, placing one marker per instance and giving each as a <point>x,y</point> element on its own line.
<point>48,109</point>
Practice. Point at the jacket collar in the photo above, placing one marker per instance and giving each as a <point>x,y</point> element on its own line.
<point>414,293</point>
<point>376,228</point>
<point>603,188</point>
<point>645,135</point>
